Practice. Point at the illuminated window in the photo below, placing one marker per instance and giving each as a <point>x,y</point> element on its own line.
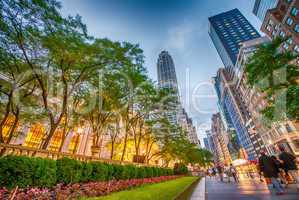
<point>74,143</point>
<point>56,140</point>
<point>7,127</point>
<point>35,136</point>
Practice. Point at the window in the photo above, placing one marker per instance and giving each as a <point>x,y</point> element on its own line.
<point>296,48</point>
<point>282,34</point>
<point>270,22</point>
<point>296,28</point>
<point>294,11</point>
<point>285,45</point>
<point>289,41</point>
<point>289,21</point>
<point>268,28</point>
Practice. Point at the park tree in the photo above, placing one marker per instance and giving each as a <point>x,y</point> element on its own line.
<point>275,72</point>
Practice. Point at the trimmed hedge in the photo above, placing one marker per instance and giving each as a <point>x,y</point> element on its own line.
<point>25,171</point>
<point>180,169</point>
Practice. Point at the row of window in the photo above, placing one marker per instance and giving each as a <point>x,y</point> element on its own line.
<point>290,22</point>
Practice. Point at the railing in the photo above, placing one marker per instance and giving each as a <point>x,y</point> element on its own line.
<point>10,149</point>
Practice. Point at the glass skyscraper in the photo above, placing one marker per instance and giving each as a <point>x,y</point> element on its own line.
<point>167,79</point>
<point>261,6</point>
<point>227,31</point>
<point>166,71</point>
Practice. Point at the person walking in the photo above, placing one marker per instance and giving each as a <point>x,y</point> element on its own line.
<point>233,172</point>
<point>220,172</point>
<point>270,171</point>
<point>289,164</point>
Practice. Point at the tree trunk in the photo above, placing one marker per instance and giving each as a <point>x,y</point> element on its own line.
<point>125,146</point>
<point>6,114</point>
<point>139,139</point>
<point>49,136</point>
<point>112,150</point>
<point>14,126</point>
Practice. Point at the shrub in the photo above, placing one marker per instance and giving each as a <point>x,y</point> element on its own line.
<point>132,171</point>
<point>110,171</point>
<point>87,170</point>
<point>16,170</point>
<point>117,171</point>
<point>99,171</point>
<point>44,172</point>
<point>149,172</point>
<point>141,172</point>
<point>68,170</point>
<point>25,171</point>
<point>180,169</point>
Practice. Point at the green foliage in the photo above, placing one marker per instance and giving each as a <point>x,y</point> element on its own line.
<point>180,169</point>
<point>16,171</point>
<point>25,171</point>
<point>274,72</point>
<point>44,172</point>
<point>68,170</point>
<point>87,171</point>
<point>99,171</point>
<point>141,172</point>
<point>148,172</point>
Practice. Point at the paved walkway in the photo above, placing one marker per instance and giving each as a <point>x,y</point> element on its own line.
<point>245,190</point>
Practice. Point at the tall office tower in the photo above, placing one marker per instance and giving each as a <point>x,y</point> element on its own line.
<point>250,97</point>
<point>262,6</point>
<point>227,31</point>
<point>236,111</point>
<point>221,140</point>
<point>166,71</point>
<point>167,79</point>
<point>283,21</point>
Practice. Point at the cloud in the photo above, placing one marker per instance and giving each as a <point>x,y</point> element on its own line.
<point>182,36</point>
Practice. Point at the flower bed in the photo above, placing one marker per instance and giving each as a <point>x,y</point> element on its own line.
<point>78,190</point>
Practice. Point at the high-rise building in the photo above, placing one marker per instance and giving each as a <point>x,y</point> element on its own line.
<point>186,123</point>
<point>167,79</point>
<point>248,96</point>
<point>166,72</point>
<point>227,31</point>
<point>283,21</point>
<point>220,139</point>
<point>206,143</point>
<point>262,6</point>
<point>236,111</point>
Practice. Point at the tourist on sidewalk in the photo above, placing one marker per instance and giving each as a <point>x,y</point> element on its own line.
<point>220,172</point>
<point>270,171</point>
<point>233,172</point>
<point>289,163</point>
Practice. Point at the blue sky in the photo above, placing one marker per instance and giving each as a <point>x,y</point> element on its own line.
<point>178,26</point>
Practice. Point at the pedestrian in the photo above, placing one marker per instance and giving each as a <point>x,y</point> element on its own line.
<point>214,172</point>
<point>289,164</point>
<point>220,172</point>
<point>280,169</point>
<point>233,172</point>
<point>270,171</point>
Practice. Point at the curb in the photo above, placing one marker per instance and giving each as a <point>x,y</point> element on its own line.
<point>200,191</point>
<point>188,192</point>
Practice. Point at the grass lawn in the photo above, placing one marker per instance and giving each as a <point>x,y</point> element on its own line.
<point>160,191</point>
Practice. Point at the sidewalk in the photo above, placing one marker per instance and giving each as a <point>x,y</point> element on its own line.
<point>245,190</point>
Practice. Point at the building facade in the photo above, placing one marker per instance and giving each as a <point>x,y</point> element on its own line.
<point>167,79</point>
<point>227,31</point>
<point>283,21</point>
<point>220,139</point>
<point>262,6</point>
